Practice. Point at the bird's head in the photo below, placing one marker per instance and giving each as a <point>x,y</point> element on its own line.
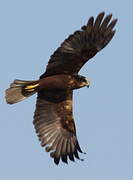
<point>81,81</point>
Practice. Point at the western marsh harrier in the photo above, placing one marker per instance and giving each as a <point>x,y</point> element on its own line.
<point>53,118</point>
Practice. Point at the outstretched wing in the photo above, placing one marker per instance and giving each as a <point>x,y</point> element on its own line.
<point>78,48</point>
<point>54,124</point>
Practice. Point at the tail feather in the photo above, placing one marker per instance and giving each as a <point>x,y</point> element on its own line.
<point>20,90</point>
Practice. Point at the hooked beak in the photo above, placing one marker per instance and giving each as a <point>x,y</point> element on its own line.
<point>88,84</point>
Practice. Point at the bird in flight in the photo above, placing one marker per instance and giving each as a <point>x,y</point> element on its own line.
<point>53,117</point>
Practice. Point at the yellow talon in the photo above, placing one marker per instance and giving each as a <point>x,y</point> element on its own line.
<point>30,90</point>
<point>31,87</point>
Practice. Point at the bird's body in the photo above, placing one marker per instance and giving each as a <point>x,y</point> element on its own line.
<point>53,118</point>
<point>63,81</point>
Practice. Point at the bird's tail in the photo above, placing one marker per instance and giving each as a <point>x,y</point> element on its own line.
<point>20,90</point>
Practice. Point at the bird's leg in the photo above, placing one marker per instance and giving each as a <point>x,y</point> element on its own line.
<point>31,87</point>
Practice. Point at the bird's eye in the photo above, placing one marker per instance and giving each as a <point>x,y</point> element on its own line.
<point>80,78</point>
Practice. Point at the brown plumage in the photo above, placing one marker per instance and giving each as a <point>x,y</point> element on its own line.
<point>53,118</point>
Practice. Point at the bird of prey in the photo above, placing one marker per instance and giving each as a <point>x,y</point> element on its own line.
<point>53,117</point>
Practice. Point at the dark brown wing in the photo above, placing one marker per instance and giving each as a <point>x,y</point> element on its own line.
<point>54,124</point>
<point>78,48</point>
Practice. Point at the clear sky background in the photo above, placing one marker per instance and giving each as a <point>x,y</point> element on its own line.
<point>30,31</point>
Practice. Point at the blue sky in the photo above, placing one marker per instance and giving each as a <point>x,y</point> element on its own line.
<point>30,32</point>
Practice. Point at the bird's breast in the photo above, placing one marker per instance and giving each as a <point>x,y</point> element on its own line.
<point>54,82</point>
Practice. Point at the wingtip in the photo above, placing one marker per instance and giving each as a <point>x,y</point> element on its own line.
<point>115,20</point>
<point>56,160</point>
<point>101,13</point>
<point>64,159</point>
